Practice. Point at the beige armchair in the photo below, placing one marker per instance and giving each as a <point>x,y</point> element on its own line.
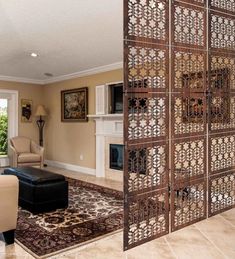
<point>25,152</point>
<point>9,191</point>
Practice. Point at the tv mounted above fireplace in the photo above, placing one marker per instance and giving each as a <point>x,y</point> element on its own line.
<point>116,91</point>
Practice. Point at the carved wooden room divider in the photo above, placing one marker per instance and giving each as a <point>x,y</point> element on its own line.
<point>179,114</point>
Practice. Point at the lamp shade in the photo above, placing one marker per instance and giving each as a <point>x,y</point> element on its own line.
<point>40,111</point>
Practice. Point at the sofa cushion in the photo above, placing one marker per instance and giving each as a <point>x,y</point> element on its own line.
<point>28,158</point>
<point>21,144</point>
<point>9,189</point>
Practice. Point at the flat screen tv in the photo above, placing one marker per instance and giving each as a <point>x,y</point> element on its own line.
<point>116,98</point>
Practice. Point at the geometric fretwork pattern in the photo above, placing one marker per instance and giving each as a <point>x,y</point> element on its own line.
<point>179,114</point>
<point>188,159</point>
<point>147,19</point>
<point>185,64</point>
<point>219,109</point>
<point>222,32</point>
<point>146,120</point>
<point>223,61</point>
<point>188,203</point>
<point>181,124</point>
<point>224,5</point>
<point>147,217</point>
<point>222,153</point>
<point>221,193</point>
<point>146,117</point>
<point>147,67</point>
<point>222,119</point>
<point>189,25</point>
<point>219,80</point>
<point>147,167</point>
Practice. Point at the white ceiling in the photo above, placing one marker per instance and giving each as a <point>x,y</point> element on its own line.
<point>69,35</point>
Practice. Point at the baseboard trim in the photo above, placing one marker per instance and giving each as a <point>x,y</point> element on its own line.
<point>76,168</point>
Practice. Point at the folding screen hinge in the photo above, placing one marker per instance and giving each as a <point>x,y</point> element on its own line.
<point>169,188</point>
<point>126,198</point>
<point>126,41</point>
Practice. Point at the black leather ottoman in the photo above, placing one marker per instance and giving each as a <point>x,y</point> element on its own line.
<point>40,190</point>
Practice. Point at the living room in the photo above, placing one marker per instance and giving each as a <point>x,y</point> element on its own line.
<point>54,53</point>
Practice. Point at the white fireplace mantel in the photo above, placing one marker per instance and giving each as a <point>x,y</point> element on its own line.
<point>107,125</point>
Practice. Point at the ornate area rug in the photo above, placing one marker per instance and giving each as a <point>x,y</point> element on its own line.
<point>93,212</point>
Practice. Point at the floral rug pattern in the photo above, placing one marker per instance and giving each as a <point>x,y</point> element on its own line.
<point>93,211</point>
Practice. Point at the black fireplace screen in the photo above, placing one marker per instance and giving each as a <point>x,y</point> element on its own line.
<point>116,156</point>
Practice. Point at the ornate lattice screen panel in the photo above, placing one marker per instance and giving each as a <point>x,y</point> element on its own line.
<point>179,114</point>
<point>146,118</point>
<point>221,116</point>
<point>227,6</point>
<point>189,76</point>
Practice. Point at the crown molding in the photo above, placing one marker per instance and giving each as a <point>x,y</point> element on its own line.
<point>87,72</point>
<point>21,80</point>
<point>83,73</point>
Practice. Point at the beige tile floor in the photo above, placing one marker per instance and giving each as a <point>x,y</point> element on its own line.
<point>213,238</point>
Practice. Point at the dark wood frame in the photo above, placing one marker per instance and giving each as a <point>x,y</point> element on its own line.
<point>76,90</point>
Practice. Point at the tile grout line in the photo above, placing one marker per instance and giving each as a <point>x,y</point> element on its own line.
<point>216,247</point>
<point>171,249</point>
<point>227,221</point>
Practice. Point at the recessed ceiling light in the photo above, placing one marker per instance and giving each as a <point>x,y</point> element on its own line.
<point>48,74</point>
<point>34,55</point>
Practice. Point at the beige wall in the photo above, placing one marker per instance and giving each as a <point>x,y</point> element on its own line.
<point>26,91</point>
<point>66,141</point>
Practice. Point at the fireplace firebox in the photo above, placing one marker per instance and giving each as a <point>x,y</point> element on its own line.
<point>116,156</point>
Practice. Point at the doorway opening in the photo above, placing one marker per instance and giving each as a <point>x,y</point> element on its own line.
<point>3,128</point>
<point>8,123</point>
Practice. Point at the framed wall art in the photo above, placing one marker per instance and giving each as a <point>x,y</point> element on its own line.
<point>74,105</point>
<point>26,110</point>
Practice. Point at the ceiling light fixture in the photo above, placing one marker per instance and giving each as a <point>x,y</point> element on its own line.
<point>34,55</point>
<point>48,74</point>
